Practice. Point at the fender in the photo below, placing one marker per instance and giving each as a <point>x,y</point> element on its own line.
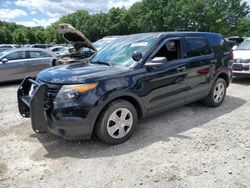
<point>116,94</point>
<point>222,72</point>
<point>113,95</point>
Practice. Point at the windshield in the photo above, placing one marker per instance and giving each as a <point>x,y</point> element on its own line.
<point>120,52</point>
<point>4,52</point>
<point>244,46</point>
<point>3,49</point>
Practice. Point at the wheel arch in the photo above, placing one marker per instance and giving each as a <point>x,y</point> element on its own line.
<point>224,76</point>
<point>127,96</point>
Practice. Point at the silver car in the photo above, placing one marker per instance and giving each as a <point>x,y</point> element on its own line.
<point>18,63</point>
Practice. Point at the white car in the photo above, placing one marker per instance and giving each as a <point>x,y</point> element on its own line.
<point>56,48</point>
<point>241,65</point>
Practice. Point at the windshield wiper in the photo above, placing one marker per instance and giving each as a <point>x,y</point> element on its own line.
<point>101,63</point>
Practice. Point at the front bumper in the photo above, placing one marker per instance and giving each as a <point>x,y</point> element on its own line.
<point>241,69</point>
<point>44,117</point>
<point>241,74</point>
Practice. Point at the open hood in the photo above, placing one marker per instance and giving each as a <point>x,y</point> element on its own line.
<point>74,37</point>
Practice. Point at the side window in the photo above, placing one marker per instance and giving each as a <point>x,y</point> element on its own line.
<point>171,50</point>
<point>197,47</point>
<point>15,56</point>
<point>38,54</point>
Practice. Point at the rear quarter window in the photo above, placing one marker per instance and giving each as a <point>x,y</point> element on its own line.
<point>224,46</point>
<point>219,43</point>
<point>197,47</point>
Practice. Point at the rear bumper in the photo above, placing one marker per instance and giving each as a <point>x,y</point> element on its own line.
<point>44,117</point>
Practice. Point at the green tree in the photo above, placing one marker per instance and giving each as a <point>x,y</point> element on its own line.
<point>39,33</point>
<point>5,35</point>
<point>242,28</point>
<point>20,35</point>
<point>227,17</point>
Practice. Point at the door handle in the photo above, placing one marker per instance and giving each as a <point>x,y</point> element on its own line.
<point>181,69</point>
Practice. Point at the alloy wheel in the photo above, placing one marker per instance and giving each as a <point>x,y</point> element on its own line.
<point>219,92</point>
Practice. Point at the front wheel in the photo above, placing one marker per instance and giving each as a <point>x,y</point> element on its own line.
<point>117,122</point>
<point>217,94</point>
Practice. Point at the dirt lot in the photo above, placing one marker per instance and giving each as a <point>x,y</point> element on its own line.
<point>192,146</point>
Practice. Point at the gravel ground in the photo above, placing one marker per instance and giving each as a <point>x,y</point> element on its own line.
<point>191,146</point>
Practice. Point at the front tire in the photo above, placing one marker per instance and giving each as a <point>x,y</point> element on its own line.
<point>117,122</point>
<point>217,94</point>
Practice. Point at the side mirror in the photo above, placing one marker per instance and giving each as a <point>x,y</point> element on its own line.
<point>4,60</point>
<point>156,62</point>
<point>235,47</point>
<point>137,56</point>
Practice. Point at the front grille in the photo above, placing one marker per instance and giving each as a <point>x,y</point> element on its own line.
<point>240,67</point>
<point>53,89</point>
<point>237,67</point>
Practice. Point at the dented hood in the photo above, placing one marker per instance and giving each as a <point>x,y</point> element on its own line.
<point>74,37</point>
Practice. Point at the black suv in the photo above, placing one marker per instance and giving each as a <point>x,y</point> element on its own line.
<point>134,77</point>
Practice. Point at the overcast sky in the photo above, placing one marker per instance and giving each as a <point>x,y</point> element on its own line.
<point>45,12</point>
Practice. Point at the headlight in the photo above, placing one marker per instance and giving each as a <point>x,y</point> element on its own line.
<point>73,91</point>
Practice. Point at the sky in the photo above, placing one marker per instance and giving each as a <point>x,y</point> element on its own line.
<point>44,12</point>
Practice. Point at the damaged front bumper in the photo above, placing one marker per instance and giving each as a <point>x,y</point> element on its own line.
<point>33,106</point>
<point>63,121</point>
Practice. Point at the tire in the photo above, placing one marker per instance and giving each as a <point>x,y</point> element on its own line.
<point>216,99</point>
<point>117,122</point>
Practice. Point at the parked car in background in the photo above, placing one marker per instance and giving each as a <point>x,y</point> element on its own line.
<point>44,46</point>
<point>4,49</point>
<point>235,41</point>
<point>231,43</point>
<point>9,46</point>
<point>18,63</point>
<point>56,48</point>
<point>102,43</point>
<point>134,77</point>
<point>241,65</point>
<point>66,51</point>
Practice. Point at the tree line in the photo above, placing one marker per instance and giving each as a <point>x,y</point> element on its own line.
<point>228,17</point>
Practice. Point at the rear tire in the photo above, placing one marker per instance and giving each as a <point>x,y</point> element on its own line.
<point>217,94</point>
<point>117,122</point>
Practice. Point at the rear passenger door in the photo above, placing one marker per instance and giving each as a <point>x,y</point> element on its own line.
<point>38,61</point>
<point>201,67</point>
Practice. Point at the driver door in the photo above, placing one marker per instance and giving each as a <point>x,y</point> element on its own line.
<point>166,85</point>
<point>14,68</point>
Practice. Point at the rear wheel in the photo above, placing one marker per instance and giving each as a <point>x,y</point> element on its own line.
<point>117,122</point>
<point>217,94</point>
